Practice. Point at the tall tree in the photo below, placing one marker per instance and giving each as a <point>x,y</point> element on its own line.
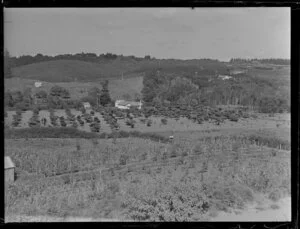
<point>58,91</point>
<point>105,97</point>
<point>7,65</point>
<point>93,96</point>
<point>8,99</point>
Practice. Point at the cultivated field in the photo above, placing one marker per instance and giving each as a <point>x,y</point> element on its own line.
<point>208,170</point>
<point>136,179</point>
<point>279,123</point>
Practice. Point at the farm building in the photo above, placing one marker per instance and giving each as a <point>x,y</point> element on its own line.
<point>122,104</point>
<point>224,77</point>
<point>37,84</point>
<point>87,105</point>
<point>237,71</point>
<point>9,169</point>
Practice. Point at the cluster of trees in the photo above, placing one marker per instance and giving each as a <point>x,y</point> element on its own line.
<point>8,64</point>
<point>278,61</point>
<point>99,97</point>
<point>57,98</point>
<point>162,88</point>
<point>89,57</point>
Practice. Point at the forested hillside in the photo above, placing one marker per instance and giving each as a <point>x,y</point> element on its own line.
<point>256,91</point>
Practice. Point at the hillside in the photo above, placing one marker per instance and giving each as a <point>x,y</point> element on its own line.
<point>77,70</point>
<point>72,70</point>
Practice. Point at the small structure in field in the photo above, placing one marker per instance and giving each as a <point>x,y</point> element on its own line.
<point>37,84</point>
<point>87,105</point>
<point>122,104</point>
<point>224,77</point>
<point>9,169</point>
<point>237,71</point>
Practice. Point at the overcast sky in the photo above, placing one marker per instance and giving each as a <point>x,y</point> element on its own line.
<point>181,33</point>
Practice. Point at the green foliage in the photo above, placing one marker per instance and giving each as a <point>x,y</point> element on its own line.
<point>8,64</point>
<point>273,105</point>
<point>58,91</point>
<point>41,94</point>
<point>172,203</point>
<point>105,97</point>
<point>123,159</point>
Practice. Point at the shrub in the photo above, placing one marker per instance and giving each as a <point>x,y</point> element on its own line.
<point>149,122</point>
<point>198,149</point>
<point>233,118</point>
<point>123,159</point>
<point>275,195</point>
<point>164,121</point>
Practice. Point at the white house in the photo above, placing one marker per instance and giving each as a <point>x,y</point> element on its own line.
<point>122,104</point>
<point>224,77</point>
<point>37,84</point>
<point>87,105</point>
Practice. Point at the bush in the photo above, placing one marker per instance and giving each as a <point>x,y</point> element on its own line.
<point>198,149</point>
<point>22,106</point>
<point>123,159</point>
<point>164,121</point>
<point>149,122</point>
<point>275,195</point>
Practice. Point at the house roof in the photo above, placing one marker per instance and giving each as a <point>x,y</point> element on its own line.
<point>8,163</point>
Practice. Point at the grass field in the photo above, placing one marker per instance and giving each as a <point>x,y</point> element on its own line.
<point>72,70</point>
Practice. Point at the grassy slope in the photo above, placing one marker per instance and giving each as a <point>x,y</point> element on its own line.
<point>71,70</point>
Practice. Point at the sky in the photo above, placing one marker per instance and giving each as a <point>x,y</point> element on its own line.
<point>179,33</point>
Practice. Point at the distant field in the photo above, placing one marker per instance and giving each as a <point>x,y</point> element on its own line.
<point>117,87</point>
<point>72,70</point>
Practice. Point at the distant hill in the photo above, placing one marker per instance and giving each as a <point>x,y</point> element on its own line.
<point>70,70</point>
<point>82,71</point>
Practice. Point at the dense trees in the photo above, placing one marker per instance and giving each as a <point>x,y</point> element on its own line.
<point>8,64</point>
<point>93,96</point>
<point>41,94</point>
<point>245,90</point>
<point>278,61</point>
<point>89,57</point>
<point>105,97</point>
<point>57,91</point>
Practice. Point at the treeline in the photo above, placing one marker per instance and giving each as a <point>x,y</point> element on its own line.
<point>92,57</point>
<point>163,88</point>
<point>278,61</point>
<point>88,57</point>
